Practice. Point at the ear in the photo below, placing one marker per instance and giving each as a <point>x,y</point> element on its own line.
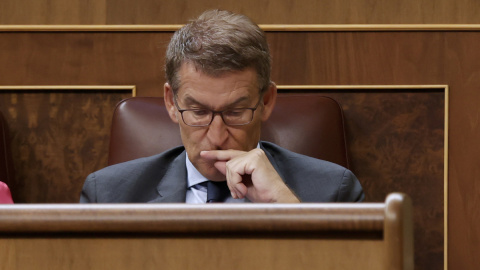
<point>169,103</point>
<point>269,99</point>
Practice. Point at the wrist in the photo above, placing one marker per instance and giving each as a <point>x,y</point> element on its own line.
<point>283,194</point>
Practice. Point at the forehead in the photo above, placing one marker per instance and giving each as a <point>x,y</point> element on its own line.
<point>196,84</point>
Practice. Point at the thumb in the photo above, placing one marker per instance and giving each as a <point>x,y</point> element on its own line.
<point>221,166</point>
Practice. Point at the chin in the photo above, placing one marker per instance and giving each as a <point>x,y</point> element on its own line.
<point>218,178</point>
<point>210,172</point>
<point>214,175</point>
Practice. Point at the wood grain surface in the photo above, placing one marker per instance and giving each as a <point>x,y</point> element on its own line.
<point>58,138</point>
<point>171,218</point>
<point>261,11</point>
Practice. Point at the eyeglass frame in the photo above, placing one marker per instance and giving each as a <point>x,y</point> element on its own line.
<point>253,109</point>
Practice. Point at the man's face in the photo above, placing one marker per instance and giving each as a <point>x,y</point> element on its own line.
<point>232,90</point>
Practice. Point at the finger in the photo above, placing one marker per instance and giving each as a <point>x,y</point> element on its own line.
<point>236,191</point>
<point>240,191</point>
<point>221,154</point>
<point>235,181</point>
<point>241,188</point>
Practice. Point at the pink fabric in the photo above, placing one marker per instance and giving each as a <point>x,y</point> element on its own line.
<point>5,195</point>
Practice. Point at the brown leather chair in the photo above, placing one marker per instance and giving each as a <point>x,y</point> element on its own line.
<point>308,124</point>
<point>6,163</point>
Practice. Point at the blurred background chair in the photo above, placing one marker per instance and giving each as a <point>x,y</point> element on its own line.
<point>309,124</point>
<point>6,164</point>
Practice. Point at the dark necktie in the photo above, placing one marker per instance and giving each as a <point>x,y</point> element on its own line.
<point>217,191</point>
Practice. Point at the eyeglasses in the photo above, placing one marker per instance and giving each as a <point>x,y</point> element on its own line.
<point>204,117</point>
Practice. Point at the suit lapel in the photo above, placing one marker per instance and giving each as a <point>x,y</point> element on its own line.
<point>173,186</point>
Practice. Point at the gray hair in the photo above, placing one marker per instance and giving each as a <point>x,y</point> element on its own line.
<point>218,42</point>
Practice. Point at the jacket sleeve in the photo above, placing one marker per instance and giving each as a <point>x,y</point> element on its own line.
<point>350,189</point>
<point>89,190</point>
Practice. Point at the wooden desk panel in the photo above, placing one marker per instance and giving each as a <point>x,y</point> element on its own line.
<point>223,236</point>
<point>59,135</point>
<point>190,253</point>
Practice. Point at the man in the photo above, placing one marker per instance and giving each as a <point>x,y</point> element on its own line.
<point>219,92</point>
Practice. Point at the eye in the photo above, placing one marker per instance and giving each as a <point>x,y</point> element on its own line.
<point>234,113</point>
<point>200,112</point>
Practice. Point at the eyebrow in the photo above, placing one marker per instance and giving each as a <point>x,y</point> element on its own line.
<point>189,101</point>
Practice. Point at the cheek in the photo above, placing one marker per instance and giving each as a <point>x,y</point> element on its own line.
<point>247,137</point>
<point>255,131</point>
<point>191,138</point>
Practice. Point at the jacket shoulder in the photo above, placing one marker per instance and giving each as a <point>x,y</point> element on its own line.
<point>314,180</point>
<point>123,182</point>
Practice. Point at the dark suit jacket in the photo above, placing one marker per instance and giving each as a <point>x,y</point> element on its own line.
<point>163,178</point>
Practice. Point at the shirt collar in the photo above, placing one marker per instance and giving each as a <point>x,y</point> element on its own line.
<point>194,177</point>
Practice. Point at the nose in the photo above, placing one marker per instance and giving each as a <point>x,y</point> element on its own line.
<point>217,131</point>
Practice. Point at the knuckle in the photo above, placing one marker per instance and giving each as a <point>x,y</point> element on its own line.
<point>229,164</point>
<point>258,152</point>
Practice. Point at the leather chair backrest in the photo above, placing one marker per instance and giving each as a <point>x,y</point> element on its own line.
<point>6,163</point>
<point>308,124</point>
